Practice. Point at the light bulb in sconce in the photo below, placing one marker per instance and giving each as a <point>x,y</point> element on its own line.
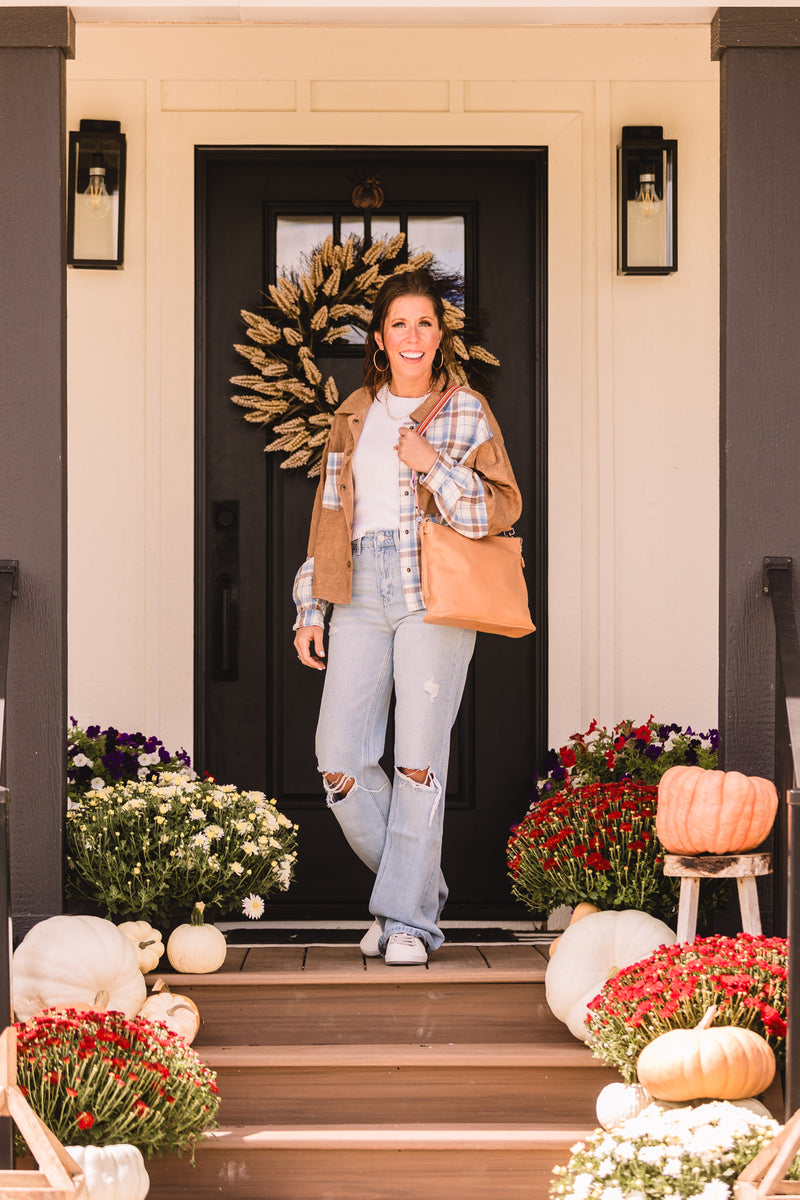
<point>96,200</point>
<point>96,217</point>
<point>646,224</point>
<point>646,202</point>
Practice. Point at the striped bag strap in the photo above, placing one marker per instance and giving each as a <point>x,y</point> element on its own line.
<point>438,406</point>
<point>423,425</point>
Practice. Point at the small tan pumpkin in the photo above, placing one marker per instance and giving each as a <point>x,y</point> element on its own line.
<point>196,948</point>
<point>720,1063</point>
<point>578,913</point>
<point>713,812</point>
<point>146,941</point>
<point>178,1013</point>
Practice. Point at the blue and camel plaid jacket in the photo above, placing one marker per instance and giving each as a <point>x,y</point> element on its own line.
<point>471,487</point>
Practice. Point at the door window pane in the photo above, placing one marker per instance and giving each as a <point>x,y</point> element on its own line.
<point>444,237</point>
<point>384,227</point>
<point>295,238</point>
<point>351,227</point>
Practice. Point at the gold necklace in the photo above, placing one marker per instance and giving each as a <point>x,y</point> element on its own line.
<point>390,414</point>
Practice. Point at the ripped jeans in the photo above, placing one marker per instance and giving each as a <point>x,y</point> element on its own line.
<point>395,826</point>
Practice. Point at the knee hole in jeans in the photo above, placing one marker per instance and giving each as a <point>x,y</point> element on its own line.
<point>421,775</point>
<point>338,783</point>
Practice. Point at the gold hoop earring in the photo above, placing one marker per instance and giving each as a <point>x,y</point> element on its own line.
<point>380,370</point>
<point>438,366</point>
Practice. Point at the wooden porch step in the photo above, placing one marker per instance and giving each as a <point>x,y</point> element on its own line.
<point>288,995</point>
<point>369,1162</point>
<point>495,1083</point>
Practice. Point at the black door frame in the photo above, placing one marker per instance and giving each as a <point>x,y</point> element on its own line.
<point>536,554</point>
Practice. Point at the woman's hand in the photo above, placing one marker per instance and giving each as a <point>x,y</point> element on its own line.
<point>415,451</point>
<point>310,646</point>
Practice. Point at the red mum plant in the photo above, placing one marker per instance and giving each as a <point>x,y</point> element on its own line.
<point>744,976</point>
<point>96,1078</point>
<point>596,843</point>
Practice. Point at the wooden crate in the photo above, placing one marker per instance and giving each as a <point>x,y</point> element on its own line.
<point>59,1176</point>
<point>764,1178</point>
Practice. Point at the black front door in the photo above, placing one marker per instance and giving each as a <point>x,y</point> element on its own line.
<point>256,708</point>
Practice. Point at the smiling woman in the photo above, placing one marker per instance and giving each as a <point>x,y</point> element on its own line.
<point>378,476</point>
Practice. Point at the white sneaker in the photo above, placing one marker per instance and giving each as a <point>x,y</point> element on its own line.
<point>370,941</point>
<point>403,949</point>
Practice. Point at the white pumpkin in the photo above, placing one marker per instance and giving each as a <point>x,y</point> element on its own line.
<point>178,1013</point>
<point>146,941</point>
<point>68,961</point>
<point>112,1172</point>
<point>619,1102</point>
<point>196,948</point>
<point>590,952</point>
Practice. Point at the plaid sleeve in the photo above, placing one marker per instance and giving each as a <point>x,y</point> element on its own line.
<point>459,494</point>
<point>309,610</point>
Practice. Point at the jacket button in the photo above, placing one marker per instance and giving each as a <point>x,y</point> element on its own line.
<point>343,487</point>
<point>349,563</point>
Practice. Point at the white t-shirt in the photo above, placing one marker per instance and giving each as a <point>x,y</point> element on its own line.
<point>376,467</point>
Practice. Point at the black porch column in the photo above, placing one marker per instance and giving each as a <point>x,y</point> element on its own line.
<point>759,53</point>
<point>34,45</point>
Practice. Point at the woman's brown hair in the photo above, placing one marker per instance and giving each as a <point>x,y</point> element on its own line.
<point>406,283</point>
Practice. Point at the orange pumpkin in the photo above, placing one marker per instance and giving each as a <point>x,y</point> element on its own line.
<point>721,1063</point>
<point>713,812</point>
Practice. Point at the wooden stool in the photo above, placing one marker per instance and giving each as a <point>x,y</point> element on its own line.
<point>692,868</point>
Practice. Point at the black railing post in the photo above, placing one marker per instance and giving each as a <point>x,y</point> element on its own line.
<point>778,585</point>
<point>792,1083</point>
<point>9,571</point>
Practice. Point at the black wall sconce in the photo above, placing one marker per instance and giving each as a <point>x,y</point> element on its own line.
<point>96,196</point>
<point>647,202</point>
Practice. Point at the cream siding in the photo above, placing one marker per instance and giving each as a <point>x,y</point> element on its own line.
<point>633,363</point>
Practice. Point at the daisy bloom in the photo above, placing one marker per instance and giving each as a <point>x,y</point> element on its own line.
<point>253,907</point>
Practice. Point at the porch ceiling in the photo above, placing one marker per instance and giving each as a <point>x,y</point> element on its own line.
<point>392,12</point>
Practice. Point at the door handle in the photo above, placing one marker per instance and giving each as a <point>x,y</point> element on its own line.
<point>225,591</point>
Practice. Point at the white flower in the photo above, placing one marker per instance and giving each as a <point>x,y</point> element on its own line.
<point>80,760</point>
<point>148,760</point>
<point>97,783</point>
<point>582,1186</point>
<point>625,1151</point>
<point>200,839</point>
<point>673,1168</point>
<point>250,848</point>
<point>715,1189</point>
<point>237,868</point>
<point>652,1154</point>
<point>196,814</point>
<point>143,772</point>
<point>214,832</point>
<point>253,907</point>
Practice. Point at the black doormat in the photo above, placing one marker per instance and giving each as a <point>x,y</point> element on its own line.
<point>262,936</point>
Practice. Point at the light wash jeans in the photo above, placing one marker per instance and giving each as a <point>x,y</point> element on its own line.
<point>395,826</point>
